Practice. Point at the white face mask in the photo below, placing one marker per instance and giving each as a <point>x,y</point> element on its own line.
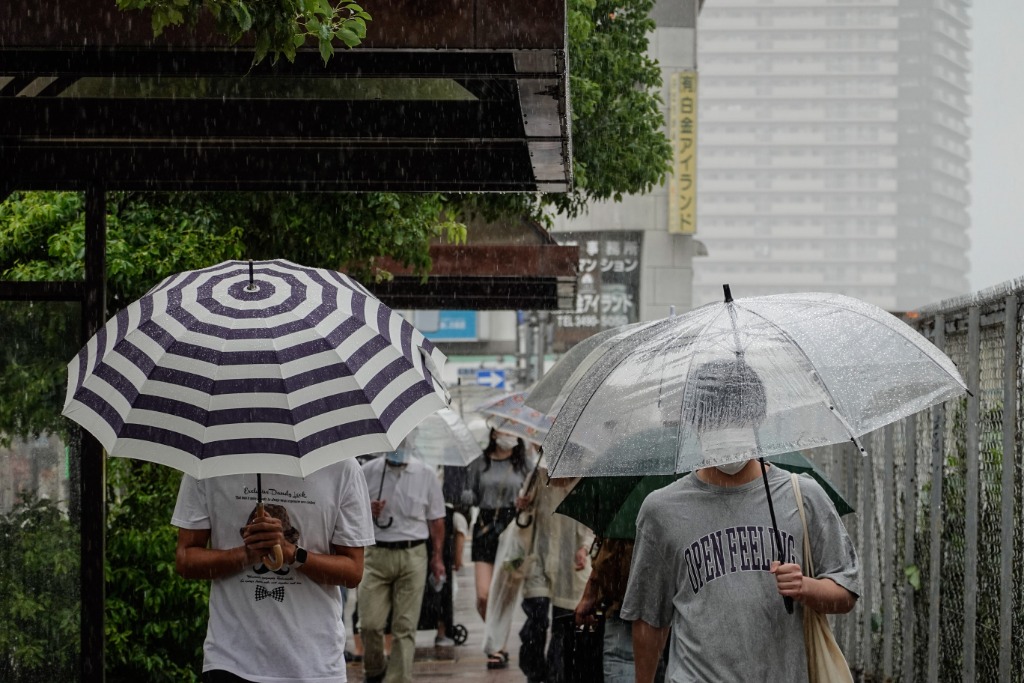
<point>726,444</point>
<point>398,457</point>
<point>506,442</point>
<point>732,468</point>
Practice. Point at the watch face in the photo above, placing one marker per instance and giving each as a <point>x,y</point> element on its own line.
<point>300,555</point>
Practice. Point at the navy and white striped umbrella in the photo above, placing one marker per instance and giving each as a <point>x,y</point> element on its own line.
<point>254,367</point>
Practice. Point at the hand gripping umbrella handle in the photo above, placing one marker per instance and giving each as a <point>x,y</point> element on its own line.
<point>276,561</point>
<point>786,600</point>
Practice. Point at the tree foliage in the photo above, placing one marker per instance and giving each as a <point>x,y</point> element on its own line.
<point>277,27</point>
<point>619,145</point>
<point>156,620</point>
<point>39,604</point>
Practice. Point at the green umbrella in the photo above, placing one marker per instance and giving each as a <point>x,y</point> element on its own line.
<point>609,505</point>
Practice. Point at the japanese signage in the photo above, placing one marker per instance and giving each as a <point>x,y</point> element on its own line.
<point>446,325</point>
<point>609,284</point>
<point>682,188</point>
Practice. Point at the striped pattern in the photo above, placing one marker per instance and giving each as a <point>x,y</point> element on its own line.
<point>206,376</point>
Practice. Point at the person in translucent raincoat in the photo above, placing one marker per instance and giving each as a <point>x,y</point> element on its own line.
<point>555,584</point>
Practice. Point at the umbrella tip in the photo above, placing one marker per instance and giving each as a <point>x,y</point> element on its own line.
<point>251,287</point>
<point>728,293</point>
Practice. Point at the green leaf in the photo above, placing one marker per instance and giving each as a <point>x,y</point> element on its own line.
<point>913,576</point>
<point>262,47</point>
<point>326,50</point>
<point>357,26</point>
<point>242,16</point>
<point>348,37</point>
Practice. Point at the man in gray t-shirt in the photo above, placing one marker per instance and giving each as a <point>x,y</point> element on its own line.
<point>706,564</point>
<point>701,565</point>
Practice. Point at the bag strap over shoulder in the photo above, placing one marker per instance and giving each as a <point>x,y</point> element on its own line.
<point>808,559</point>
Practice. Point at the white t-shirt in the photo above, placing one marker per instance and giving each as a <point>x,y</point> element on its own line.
<point>277,627</point>
<point>413,496</point>
<point>460,524</point>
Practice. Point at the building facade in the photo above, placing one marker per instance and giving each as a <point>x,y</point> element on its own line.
<point>834,149</point>
<point>637,255</point>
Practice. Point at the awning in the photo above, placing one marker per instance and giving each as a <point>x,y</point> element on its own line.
<point>471,98</point>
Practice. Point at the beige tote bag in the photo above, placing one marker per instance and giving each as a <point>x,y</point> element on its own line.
<point>825,661</point>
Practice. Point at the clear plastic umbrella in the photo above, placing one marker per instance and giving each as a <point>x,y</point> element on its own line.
<point>746,379</point>
<point>443,438</point>
<point>825,368</point>
<point>551,390</point>
<point>509,413</point>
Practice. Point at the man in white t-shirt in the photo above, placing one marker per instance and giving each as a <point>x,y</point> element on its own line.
<point>284,625</point>
<point>408,509</point>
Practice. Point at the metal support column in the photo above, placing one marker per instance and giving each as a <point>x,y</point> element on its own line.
<point>867,535</point>
<point>935,519</point>
<point>909,529</point>
<point>92,483</point>
<point>972,494</point>
<point>1010,359</point>
<point>888,559</point>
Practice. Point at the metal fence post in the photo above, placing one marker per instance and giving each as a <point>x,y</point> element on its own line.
<point>909,531</point>
<point>1010,359</point>
<point>935,515</point>
<point>972,494</point>
<point>887,559</point>
<point>851,469</point>
<point>867,538</point>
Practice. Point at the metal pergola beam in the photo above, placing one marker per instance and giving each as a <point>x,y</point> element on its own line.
<point>435,167</point>
<point>331,121</point>
<point>120,62</point>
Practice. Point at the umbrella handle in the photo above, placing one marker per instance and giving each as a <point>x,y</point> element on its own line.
<point>523,525</point>
<point>376,522</point>
<point>786,600</point>
<point>275,563</point>
<point>275,560</point>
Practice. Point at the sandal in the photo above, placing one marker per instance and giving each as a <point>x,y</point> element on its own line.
<point>497,660</point>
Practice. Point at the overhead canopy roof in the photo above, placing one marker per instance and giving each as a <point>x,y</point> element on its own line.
<point>470,96</point>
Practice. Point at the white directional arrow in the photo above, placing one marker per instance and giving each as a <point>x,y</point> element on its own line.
<point>491,378</point>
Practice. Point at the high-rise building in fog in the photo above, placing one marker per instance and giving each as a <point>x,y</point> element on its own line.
<point>833,151</point>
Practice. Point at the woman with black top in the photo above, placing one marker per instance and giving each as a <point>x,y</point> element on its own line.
<point>493,483</point>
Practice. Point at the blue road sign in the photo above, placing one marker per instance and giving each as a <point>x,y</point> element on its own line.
<point>494,379</point>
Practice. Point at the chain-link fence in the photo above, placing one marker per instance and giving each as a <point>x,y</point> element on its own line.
<point>939,520</point>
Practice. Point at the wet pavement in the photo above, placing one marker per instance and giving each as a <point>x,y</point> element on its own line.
<point>465,662</point>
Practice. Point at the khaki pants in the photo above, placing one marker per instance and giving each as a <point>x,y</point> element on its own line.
<point>392,582</point>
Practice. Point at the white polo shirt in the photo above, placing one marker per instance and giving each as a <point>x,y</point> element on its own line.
<point>413,497</point>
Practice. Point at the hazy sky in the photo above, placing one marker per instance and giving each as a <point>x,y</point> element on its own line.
<point>997,142</point>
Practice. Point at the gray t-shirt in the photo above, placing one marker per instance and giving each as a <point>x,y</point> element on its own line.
<point>701,565</point>
<point>494,487</point>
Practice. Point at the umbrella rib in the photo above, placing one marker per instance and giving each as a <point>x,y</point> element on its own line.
<point>688,388</point>
<point>817,376</point>
<point>644,332</point>
<point>912,339</point>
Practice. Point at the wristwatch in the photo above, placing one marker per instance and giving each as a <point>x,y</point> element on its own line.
<point>300,557</point>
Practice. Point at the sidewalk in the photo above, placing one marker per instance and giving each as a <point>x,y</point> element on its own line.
<point>465,662</point>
